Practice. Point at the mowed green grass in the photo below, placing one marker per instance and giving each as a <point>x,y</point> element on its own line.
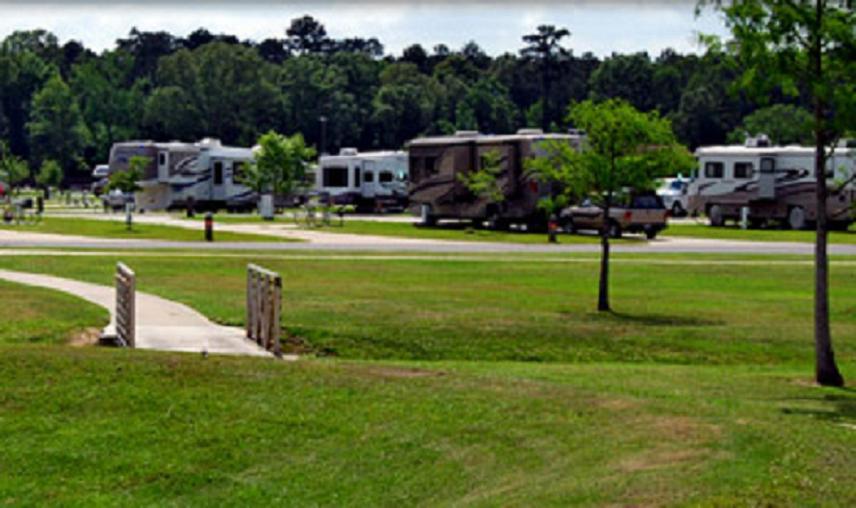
<point>31,315</point>
<point>118,230</point>
<point>131,428</point>
<point>675,309</point>
<point>96,426</point>
<point>758,235</point>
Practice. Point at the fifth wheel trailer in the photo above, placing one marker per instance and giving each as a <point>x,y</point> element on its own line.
<point>436,164</point>
<point>369,180</point>
<point>206,173</point>
<point>771,183</point>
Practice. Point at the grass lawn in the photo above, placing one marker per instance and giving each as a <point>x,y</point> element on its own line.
<point>118,230</point>
<point>698,397</point>
<point>674,309</point>
<point>758,235</point>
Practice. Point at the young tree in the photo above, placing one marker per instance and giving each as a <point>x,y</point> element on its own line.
<point>50,174</point>
<point>280,164</point>
<point>545,47</point>
<point>126,181</point>
<point>623,148</point>
<point>806,47</point>
<point>13,170</point>
<point>484,181</point>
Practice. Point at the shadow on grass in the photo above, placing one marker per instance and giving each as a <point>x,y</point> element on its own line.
<point>651,319</point>
<point>841,408</point>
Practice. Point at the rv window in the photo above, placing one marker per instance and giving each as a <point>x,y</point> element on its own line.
<point>368,177</point>
<point>161,158</point>
<point>218,173</point>
<point>237,171</point>
<point>713,169</point>
<point>430,166</point>
<point>743,170</point>
<point>384,177</point>
<point>357,176</point>
<point>335,176</point>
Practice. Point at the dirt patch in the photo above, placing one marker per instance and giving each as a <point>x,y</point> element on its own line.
<point>657,459</point>
<point>85,337</point>
<point>401,372</point>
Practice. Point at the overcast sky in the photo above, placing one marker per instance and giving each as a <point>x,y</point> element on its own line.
<point>600,27</point>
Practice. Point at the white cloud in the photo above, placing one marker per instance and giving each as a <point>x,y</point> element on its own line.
<point>597,27</point>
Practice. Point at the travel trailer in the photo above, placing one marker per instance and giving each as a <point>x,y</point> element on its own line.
<point>206,173</point>
<point>437,192</point>
<point>369,180</point>
<point>771,183</point>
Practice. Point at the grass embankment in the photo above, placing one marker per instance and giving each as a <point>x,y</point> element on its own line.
<point>84,426</point>
<point>679,309</point>
<point>757,235</point>
<point>140,231</point>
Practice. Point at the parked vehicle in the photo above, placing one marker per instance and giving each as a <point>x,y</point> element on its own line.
<point>99,187</point>
<point>673,192</point>
<point>101,171</point>
<point>436,164</point>
<point>771,183</point>
<point>116,199</point>
<point>370,180</point>
<point>640,213</point>
<point>206,174</point>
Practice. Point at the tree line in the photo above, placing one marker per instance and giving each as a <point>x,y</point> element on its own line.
<point>65,103</point>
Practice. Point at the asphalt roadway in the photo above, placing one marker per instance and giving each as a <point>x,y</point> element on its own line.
<point>336,242</point>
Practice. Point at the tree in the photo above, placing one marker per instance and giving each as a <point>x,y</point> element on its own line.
<point>49,175</point>
<point>307,35</point>
<point>126,181</point>
<point>56,127</point>
<point>280,163</point>
<point>544,47</point>
<point>484,181</point>
<point>628,77</point>
<point>111,103</point>
<point>13,170</point>
<point>785,124</point>
<point>623,148</point>
<point>222,90</point>
<point>809,48</point>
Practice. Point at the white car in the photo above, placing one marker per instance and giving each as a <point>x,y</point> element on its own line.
<point>674,194</point>
<point>101,171</point>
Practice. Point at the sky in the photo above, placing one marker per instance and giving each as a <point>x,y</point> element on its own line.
<point>601,27</point>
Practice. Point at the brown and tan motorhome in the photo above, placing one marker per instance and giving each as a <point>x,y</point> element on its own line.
<point>771,183</point>
<point>436,190</point>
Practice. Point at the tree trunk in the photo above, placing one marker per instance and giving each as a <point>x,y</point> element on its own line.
<point>545,99</point>
<point>603,289</point>
<point>826,371</point>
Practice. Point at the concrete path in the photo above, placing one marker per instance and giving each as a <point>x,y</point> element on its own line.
<point>163,325</point>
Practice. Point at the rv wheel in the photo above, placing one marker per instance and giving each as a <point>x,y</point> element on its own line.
<point>614,230</point>
<point>714,213</point>
<point>796,218</point>
<point>678,210</point>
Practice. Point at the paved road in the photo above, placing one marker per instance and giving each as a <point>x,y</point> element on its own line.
<point>162,325</point>
<point>342,243</point>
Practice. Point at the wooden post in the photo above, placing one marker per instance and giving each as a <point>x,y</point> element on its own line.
<point>126,289</point>
<point>264,299</point>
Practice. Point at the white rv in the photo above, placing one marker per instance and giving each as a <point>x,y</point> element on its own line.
<point>205,173</point>
<point>369,180</point>
<point>771,183</point>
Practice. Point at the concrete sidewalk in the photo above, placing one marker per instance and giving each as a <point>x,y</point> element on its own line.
<point>163,325</point>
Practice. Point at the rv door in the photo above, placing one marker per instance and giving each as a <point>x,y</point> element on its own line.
<point>163,166</point>
<point>767,179</point>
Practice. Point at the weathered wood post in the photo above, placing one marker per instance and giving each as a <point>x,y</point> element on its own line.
<point>264,300</point>
<point>126,289</point>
